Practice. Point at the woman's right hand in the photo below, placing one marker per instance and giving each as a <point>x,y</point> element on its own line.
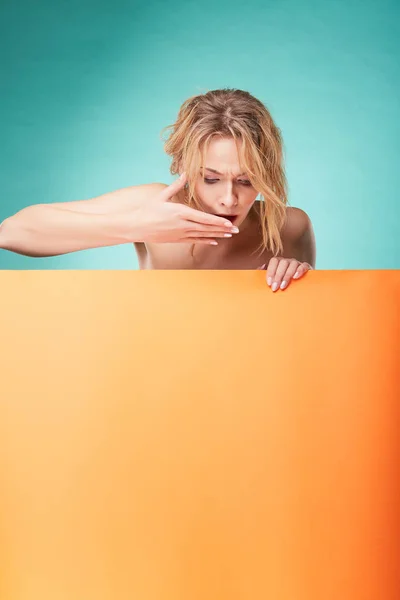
<point>161,221</point>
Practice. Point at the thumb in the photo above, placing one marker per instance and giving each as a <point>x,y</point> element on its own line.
<point>170,191</point>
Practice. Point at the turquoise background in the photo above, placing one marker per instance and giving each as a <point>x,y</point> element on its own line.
<point>87,86</point>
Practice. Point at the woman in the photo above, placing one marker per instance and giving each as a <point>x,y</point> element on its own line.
<point>228,150</point>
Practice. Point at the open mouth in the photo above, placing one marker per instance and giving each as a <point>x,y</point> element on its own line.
<point>230,218</point>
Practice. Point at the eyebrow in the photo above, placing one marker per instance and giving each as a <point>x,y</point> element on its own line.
<point>218,173</point>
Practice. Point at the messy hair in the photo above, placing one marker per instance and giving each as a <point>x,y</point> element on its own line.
<point>235,114</point>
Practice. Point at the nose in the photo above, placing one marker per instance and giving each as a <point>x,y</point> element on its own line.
<point>229,198</point>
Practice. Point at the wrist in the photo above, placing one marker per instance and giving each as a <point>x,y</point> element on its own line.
<point>125,227</point>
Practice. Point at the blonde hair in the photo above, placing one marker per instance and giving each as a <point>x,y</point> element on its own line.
<point>235,114</point>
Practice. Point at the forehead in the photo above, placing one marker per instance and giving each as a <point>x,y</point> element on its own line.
<point>221,155</point>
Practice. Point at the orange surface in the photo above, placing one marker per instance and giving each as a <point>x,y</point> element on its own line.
<point>190,435</point>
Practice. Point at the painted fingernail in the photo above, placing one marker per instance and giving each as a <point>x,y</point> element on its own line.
<point>295,276</point>
<point>269,280</point>
<point>283,285</point>
<point>274,286</point>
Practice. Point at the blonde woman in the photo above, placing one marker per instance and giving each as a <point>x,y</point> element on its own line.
<point>227,150</point>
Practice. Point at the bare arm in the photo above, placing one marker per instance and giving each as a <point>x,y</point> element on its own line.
<point>142,213</point>
<point>53,229</point>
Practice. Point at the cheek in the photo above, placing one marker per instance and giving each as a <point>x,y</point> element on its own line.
<point>251,197</point>
<point>203,193</point>
<point>202,188</point>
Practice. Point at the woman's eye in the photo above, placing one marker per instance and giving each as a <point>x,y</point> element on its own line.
<point>214,180</point>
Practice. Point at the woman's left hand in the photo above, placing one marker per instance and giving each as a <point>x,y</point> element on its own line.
<point>281,270</point>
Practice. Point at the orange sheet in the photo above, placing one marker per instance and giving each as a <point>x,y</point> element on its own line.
<point>190,435</point>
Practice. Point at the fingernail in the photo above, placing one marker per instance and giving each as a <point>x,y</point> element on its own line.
<point>283,285</point>
<point>295,276</point>
<point>269,280</point>
<point>275,286</point>
<point>182,176</point>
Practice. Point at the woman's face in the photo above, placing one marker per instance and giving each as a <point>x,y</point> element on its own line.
<point>226,191</point>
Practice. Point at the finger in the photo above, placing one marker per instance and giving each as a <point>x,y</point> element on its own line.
<point>279,273</point>
<point>170,191</point>
<point>272,266</point>
<point>211,232</point>
<point>204,218</point>
<point>201,227</point>
<point>290,271</point>
<point>262,267</point>
<point>301,269</point>
<point>200,241</point>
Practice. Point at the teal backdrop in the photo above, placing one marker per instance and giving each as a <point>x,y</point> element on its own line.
<point>87,86</point>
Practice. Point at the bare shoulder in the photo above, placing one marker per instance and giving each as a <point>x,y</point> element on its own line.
<point>296,224</point>
<point>299,236</point>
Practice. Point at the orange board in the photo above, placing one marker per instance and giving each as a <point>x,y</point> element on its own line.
<point>191,435</point>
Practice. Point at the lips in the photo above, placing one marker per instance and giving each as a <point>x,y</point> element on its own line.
<point>230,217</point>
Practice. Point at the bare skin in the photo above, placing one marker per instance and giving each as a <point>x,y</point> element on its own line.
<point>172,237</point>
<point>226,191</point>
<point>237,252</point>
